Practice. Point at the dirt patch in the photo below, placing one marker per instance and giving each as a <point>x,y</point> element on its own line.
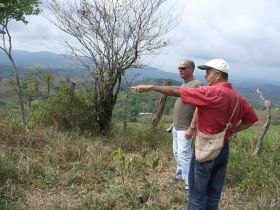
<point>47,200</point>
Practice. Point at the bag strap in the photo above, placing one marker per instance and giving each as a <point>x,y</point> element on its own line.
<point>228,125</point>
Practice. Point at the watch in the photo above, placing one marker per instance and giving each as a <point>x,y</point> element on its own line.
<point>192,126</point>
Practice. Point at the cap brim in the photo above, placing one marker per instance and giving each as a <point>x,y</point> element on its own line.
<point>203,67</point>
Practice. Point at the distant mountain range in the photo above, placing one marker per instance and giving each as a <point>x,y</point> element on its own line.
<point>38,59</point>
<point>62,65</point>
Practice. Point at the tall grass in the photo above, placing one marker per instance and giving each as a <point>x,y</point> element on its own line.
<point>254,180</point>
<point>46,168</point>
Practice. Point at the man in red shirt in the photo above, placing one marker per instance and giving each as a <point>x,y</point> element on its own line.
<point>215,104</point>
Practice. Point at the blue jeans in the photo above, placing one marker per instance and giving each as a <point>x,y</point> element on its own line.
<point>207,181</point>
<point>182,151</point>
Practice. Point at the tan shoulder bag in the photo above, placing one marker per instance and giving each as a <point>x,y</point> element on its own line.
<point>208,146</point>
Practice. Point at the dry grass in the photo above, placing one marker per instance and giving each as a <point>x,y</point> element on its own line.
<point>48,169</point>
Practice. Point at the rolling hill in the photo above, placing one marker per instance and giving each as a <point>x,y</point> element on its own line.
<point>63,66</point>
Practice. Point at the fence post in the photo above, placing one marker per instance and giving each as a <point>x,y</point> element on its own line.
<point>159,110</point>
<point>266,125</point>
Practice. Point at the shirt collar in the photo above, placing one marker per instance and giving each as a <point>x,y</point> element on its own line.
<point>223,84</point>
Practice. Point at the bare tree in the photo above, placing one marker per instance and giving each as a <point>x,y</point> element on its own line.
<point>9,11</point>
<point>112,36</point>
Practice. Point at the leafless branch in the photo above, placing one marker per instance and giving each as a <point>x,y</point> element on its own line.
<point>111,36</point>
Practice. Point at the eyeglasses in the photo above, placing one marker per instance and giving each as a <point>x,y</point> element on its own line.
<point>184,67</point>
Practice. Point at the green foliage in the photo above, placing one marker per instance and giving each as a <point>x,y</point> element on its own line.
<point>53,111</point>
<point>155,162</point>
<point>125,164</point>
<point>2,103</point>
<point>8,196</point>
<point>48,178</point>
<point>153,138</point>
<point>30,84</point>
<point>17,10</point>
<point>137,103</point>
<point>7,168</point>
<point>254,175</point>
<point>140,135</point>
<point>144,154</point>
<point>48,77</point>
<point>178,198</point>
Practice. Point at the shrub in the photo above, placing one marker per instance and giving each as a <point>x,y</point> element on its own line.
<point>53,111</point>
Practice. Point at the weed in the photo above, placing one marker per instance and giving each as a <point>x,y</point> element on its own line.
<point>8,195</point>
<point>57,169</point>
<point>48,178</point>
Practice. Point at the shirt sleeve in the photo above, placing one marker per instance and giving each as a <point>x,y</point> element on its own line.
<point>250,115</point>
<point>200,96</point>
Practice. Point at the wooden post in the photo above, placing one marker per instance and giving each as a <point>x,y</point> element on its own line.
<point>159,110</point>
<point>266,125</point>
<point>69,104</point>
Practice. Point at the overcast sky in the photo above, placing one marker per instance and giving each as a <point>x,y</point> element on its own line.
<point>246,33</point>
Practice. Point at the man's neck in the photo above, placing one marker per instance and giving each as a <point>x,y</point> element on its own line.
<point>191,78</point>
<point>219,81</point>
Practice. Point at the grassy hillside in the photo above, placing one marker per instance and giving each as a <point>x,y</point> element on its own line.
<point>44,168</point>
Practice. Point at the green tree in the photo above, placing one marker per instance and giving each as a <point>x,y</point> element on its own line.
<point>30,84</point>
<point>48,77</point>
<point>15,10</point>
<point>12,83</point>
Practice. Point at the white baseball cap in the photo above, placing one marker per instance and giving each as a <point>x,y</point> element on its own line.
<point>218,64</point>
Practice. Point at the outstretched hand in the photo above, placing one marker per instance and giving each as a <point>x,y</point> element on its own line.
<point>141,88</point>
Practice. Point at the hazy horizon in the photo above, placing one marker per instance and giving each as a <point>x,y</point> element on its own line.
<point>199,73</point>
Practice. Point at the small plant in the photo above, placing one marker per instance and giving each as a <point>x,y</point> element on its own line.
<point>90,201</point>
<point>155,162</point>
<point>48,179</point>
<point>8,195</point>
<point>126,164</point>
<point>144,154</point>
<point>178,198</point>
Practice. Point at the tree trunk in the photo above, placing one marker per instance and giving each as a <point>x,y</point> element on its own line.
<point>48,86</point>
<point>159,110</point>
<point>104,110</point>
<point>105,100</point>
<point>125,113</point>
<point>19,90</point>
<point>30,103</point>
<point>69,105</point>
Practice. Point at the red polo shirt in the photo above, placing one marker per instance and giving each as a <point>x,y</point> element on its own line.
<point>215,105</point>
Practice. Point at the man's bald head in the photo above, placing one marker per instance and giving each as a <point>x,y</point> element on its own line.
<point>188,62</point>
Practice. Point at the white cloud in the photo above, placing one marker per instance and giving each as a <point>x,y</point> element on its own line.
<point>243,32</point>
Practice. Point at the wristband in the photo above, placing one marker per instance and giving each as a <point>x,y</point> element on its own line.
<point>192,126</point>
